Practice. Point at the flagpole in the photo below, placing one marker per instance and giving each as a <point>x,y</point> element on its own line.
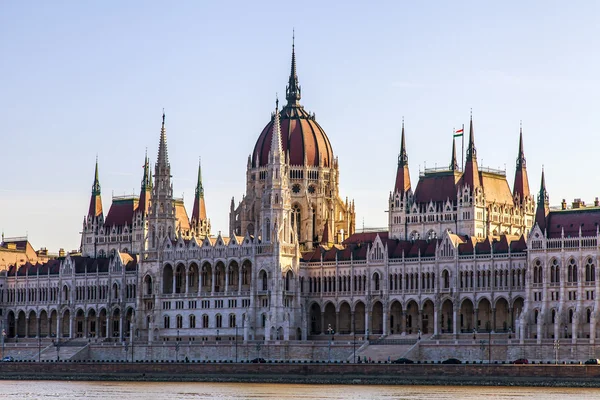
<point>462,152</point>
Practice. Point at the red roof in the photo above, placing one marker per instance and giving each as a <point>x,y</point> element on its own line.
<point>437,187</point>
<point>588,219</point>
<point>301,136</point>
<point>121,212</point>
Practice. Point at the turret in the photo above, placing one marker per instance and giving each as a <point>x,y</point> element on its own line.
<point>543,205</point>
<point>199,222</point>
<point>402,185</point>
<point>521,186</point>
<point>95,209</point>
<point>471,174</point>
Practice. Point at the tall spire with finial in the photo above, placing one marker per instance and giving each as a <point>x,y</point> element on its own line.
<point>402,174</point>
<point>453,161</point>
<point>199,220</point>
<point>471,150</point>
<point>543,204</point>
<point>471,173</point>
<point>521,186</point>
<point>95,208</point>
<point>144,202</point>
<point>276,154</point>
<point>293,92</point>
<point>163,156</point>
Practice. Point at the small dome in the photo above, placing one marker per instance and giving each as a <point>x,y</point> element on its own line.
<point>301,137</point>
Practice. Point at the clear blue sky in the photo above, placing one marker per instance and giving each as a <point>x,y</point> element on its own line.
<point>84,78</point>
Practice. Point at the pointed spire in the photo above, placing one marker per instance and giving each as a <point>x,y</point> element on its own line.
<point>276,154</point>
<point>471,173</point>
<point>402,174</point>
<point>402,157</point>
<point>471,150</point>
<point>147,179</point>
<point>521,163</point>
<point>95,208</point>
<point>453,162</point>
<point>96,186</point>
<point>199,211</point>
<point>521,186</point>
<point>163,156</point>
<point>543,204</point>
<point>199,187</point>
<point>293,92</point>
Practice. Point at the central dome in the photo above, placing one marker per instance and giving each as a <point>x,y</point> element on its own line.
<point>302,137</point>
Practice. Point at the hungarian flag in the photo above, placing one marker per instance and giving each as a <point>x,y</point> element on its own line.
<point>458,133</point>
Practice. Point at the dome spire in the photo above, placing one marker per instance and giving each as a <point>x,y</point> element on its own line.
<point>293,92</point>
<point>453,162</point>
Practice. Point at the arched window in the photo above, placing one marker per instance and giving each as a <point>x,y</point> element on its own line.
<point>219,321</point>
<point>167,321</point>
<point>590,270</point>
<point>179,322</point>
<point>205,321</point>
<point>232,321</point>
<point>192,321</point>
<point>376,280</point>
<point>446,278</point>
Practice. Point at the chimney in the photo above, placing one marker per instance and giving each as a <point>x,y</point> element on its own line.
<point>596,202</point>
<point>61,252</point>
<point>563,204</point>
<point>577,203</point>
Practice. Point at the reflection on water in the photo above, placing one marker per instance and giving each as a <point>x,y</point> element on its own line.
<point>13,390</point>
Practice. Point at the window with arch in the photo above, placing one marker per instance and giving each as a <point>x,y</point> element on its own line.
<point>179,319</point>
<point>219,321</point>
<point>446,278</point>
<point>376,280</point>
<point>554,271</point>
<point>167,321</point>
<point>297,220</point>
<point>232,323</point>
<point>205,321</point>
<point>192,321</point>
<point>572,271</point>
<point>590,270</point>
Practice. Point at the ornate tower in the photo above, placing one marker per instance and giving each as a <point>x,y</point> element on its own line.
<point>199,223</point>
<point>471,201</point>
<point>523,199</point>
<point>93,222</point>
<point>543,205</point>
<point>162,211</point>
<point>401,198</point>
<point>313,177</point>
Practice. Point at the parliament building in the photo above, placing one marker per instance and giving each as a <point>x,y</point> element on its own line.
<point>464,253</point>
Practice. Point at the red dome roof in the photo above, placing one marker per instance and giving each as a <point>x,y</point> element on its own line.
<point>301,136</point>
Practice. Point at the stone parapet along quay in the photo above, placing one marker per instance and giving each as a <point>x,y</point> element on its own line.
<point>318,373</point>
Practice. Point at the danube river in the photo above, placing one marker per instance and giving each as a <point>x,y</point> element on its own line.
<point>20,390</point>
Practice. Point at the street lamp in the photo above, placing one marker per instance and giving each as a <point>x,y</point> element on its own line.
<point>509,333</point>
<point>177,347</point>
<point>566,330</point>
<point>474,337</point>
<point>556,347</point>
<point>330,331</point>
<point>3,340</point>
<point>354,341</point>
<point>419,334</point>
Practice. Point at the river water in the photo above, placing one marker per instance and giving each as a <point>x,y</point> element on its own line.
<point>13,390</point>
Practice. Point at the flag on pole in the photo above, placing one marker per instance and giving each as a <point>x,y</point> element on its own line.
<point>458,133</point>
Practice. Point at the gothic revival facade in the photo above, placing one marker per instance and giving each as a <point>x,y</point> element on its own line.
<point>463,253</point>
